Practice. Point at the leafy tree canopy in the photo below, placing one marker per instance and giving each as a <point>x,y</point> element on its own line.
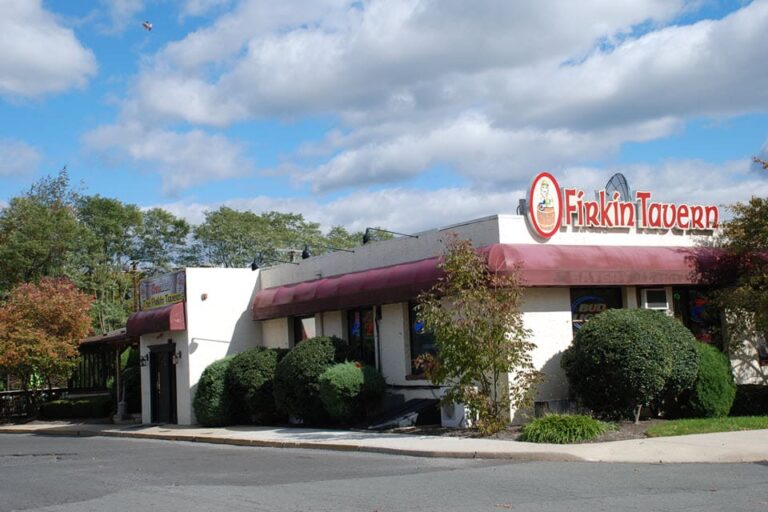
<point>40,328</point>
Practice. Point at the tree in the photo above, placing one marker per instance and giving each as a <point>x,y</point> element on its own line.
<point>161,240</point>
<point>112,228</point>
<point>481,342</point>
<point>39,233</point>
<point>232,238</point>
<point>743,278</point>
<point>339,238</point>
<point>40,328</point>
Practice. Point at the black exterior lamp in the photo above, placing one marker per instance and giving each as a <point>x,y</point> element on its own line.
<point>306,253</point>
<point>367,234</point>
<point>259,261</point>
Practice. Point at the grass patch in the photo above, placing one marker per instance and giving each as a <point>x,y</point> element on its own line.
<point>708,425</point>
<point>564,429</point>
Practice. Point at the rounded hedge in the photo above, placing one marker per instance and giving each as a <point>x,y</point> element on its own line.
<point>619,360</point>
<point>714,390</point>
<point>211,402</point>
<point>685,361</point>
<point>249,381</point>
<point>348,389</point>
<point>297,378</point>
<point>563,429</point>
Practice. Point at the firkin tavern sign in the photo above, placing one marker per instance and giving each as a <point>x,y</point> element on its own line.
<point>550,207</point>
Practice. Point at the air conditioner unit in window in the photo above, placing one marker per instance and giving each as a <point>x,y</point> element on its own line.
<point>655,298</point>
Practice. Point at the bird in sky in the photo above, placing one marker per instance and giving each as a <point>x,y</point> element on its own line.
<point>147,25</point>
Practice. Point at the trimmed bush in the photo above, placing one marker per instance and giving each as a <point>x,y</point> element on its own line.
<point>619,361</point>
<point>713,391</point>
<point>563,429</point>
<point>249,381</point>
<point>297,378</point>
<point>685,358</point>
<point>90,407</point>
<point>751,400</point>
<point>348,389</point>
<point>211,402</point>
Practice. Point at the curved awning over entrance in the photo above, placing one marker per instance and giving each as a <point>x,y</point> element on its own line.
<point>166,318</point>
<point>540,265</point>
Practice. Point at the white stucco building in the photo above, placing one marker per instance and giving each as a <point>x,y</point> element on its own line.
<point>578,267</point>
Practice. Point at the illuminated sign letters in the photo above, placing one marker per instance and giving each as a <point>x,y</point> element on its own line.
<point>549,208</point>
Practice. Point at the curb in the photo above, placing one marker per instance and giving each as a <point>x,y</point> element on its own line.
<point>520,456</point>
<point>261,443</point>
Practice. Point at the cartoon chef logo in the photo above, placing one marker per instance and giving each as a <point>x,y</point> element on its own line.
<point>545,205</point>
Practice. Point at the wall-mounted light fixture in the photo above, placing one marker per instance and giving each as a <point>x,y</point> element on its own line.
<point>176,358</point>
<point>144,360</point>
<point>260,260</point>
<point>306,253</point>
<point>367,234</point>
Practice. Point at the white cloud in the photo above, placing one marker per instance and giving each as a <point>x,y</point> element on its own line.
<point>326,56</point>
<point>478,150</point>
<point>18,157</point>
<point>411,210</point>
<point>121,14</point>
<point>495,91</point>
<point>201,7</point>
<point>183,159</point>
<point>39,55</point>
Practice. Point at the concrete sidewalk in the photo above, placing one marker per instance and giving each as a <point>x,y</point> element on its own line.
<point>747,446</point>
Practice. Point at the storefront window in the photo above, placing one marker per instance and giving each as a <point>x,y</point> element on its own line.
<point>588,302</point>
<point>303,328</point>
<point>362,340</point>
<point>422,342</point>
<point>693,307</point>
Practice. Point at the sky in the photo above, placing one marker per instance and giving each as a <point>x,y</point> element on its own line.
<point>403,114</point>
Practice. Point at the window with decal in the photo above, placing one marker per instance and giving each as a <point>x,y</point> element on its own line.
<point>588,302</point>
<point>422,342</point>
<point>361,327</point>
<point>693,307</point>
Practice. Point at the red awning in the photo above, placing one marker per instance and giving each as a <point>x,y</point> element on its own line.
<point>396,283</point>
<point>166,318</point>
<point>595,265</point>
<point>540,265</point>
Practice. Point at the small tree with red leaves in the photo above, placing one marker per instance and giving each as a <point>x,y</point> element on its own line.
<point>41,325</point>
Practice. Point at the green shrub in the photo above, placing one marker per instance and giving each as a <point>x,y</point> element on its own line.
<point>685,359</point>
<point>713,391</point>
<point>619,361</point>
<point>249,381</point>
<point>563,429</point>
<point>751,400</point>
<point>297,378</point>
<point>348,389</point>
<point>89,407</point>
<point>211,402</point>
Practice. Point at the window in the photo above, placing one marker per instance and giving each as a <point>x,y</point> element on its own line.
<point>588,302</point>
<point>303,328</point>
<point>362,339</point>
<point>422,342</point>
<point>654,298</point>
